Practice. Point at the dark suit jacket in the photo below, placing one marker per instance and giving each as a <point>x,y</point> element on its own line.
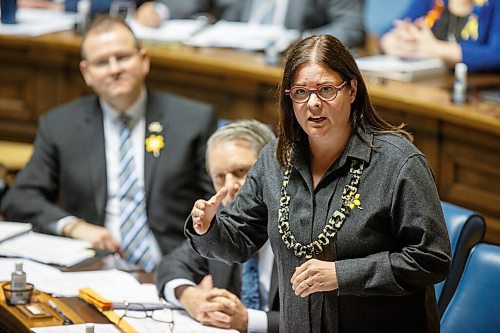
<point>185,263</point>
<point>177,9</point>
<point>343,19</point>
<point>68,167</point>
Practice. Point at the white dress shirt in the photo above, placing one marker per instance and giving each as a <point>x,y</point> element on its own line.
<point>136,112</point>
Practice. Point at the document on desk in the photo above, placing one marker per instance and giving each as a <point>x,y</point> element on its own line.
<point>36,273</point>
<point>79,328</point>
<point>169,31</point>
<point>252,37</point>
<point>12,229</point>
<point>407,70</point>
<point>182,323</point>
<point>36,22</point>
<point>116,286</point>
<point>47,249</point>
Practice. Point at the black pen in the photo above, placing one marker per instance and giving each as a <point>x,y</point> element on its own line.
<point>66,320</point>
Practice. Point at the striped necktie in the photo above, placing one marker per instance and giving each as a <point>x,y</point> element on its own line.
<point>250,296</point>
<point>133,220</point>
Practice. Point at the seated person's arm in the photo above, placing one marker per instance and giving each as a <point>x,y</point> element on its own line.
<point>415,40</point>
<point>345,22</point>
<point>47,4</point>
<point>99,237</point>
<point>152,13</point>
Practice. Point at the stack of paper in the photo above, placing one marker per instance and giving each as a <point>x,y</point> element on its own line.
<point>182,323</point>
<point>169,31</point>
<point>245,36</point>
<point>79,328</point>
<point>12,229</point>
<point>47,249</point>
<point>36,22</point>
<point>394,68</point>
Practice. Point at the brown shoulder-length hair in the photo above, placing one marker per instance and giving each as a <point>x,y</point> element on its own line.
<point>329,51</point>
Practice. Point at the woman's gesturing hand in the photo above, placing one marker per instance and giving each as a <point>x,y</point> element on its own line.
<point>204,211</point>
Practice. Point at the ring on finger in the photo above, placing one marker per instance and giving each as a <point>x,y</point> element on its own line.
<point>307,284</point>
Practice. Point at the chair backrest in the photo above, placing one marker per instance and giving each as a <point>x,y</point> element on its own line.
<point>475,306</point>
<point>465,228</point>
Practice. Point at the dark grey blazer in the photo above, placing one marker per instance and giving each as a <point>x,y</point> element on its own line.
<point>388,255</point>
<point>343,19</point>
<point>67,172</point>
<point>185,263</point>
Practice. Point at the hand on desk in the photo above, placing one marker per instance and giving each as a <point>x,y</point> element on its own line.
<point>148,16</point>
<point>213,306</point>
<point>98,236</point>
<point>40,4</point>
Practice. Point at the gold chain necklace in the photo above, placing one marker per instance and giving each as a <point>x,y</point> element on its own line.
<point>350,200</point>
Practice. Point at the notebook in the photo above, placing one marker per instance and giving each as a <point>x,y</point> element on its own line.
<point>406,70</point>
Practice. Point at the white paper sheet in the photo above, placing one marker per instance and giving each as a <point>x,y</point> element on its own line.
<point>169,31</point>
<point>11,229</point>
<point>114,285</point>
<point>182,323</point>
<point>79,328</point>
<point>36,22</point>
<point>47,249</point>
<point>244,36</point>
<point>34,271</point>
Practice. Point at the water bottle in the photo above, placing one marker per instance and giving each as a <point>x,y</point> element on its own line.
<point>460,85</point>
<point>18,285</point>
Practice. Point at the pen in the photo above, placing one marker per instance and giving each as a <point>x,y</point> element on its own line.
<point>66,320</point>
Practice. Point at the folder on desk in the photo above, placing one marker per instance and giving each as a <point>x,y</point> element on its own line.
<point>389,67</point>
<point>92,297</point>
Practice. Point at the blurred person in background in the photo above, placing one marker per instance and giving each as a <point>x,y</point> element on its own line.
<point>455,31</point>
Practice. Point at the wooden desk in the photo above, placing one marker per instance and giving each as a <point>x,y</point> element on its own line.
<point>75,308</point>
<point>462,143</point>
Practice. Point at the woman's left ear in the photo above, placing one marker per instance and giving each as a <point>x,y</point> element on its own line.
<point>353,89</point>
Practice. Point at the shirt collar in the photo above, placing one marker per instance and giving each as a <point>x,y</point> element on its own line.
<point>135,112</point>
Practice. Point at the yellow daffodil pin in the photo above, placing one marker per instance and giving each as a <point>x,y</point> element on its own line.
<point>355,202</point>
<point>155,143</point>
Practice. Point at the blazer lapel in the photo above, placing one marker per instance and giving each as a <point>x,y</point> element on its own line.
<point>94,145</point>
<point>153,115</point>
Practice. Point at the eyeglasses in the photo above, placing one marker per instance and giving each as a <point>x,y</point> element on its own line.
<point>326,93</point>
<point>121,59</point>
<point>139,311</point>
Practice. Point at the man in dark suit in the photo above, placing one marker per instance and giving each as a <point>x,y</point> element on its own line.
<point>208,289</point>
<point>343,19</point>
<point>72,184</point>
